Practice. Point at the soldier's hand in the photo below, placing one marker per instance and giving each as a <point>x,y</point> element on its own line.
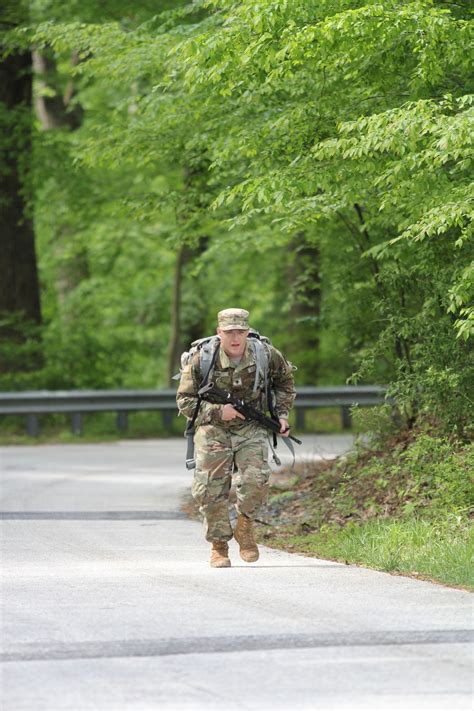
<point>230,413</point>
<point>284,427</point>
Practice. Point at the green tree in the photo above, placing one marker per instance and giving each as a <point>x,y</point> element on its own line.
<point>20,310</point>
<point>349,118</point>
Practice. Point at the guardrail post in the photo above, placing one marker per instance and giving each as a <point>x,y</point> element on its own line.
<point>346,417</point>
<point>77,424</point>
<point>300,419</point>
<point>168,417</point>
<point>32,425</point>
<point>122,421</point>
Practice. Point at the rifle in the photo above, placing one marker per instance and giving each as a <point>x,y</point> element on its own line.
<point>212,393</point>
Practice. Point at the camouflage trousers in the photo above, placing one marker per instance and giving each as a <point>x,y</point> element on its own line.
<point>226,455</point>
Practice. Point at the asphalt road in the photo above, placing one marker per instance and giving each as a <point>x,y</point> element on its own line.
<point>108,602</point>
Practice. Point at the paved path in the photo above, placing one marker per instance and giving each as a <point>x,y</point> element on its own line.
<point>109,603</point>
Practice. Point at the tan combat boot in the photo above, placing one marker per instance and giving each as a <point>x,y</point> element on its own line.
<point>220,555</point>
<point>243,534</point>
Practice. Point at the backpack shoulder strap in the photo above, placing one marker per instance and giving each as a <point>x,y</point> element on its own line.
<point>207,357</point>
<point>262,361</point>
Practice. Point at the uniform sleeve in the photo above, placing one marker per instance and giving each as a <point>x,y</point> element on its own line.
<point>186,397</point>
<point>281,371</point>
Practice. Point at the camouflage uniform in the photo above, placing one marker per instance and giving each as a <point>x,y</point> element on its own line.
<point>235,448</point>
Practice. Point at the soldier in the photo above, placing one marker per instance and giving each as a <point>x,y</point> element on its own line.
<point>226,443</point>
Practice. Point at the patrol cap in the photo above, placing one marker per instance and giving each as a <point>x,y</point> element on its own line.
<point>233,320</point>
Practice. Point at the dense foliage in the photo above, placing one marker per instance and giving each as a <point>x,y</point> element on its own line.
<point>308,159</point>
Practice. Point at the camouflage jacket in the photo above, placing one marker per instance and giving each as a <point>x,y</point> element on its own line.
<point>240,381</point>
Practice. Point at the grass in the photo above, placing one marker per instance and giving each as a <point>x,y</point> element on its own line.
<point>323,420</point>
<point>434,550</point>
<point>402,508</point>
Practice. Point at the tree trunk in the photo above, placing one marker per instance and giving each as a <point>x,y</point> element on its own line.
<point>19,284</point>
<point>54,112</point>
<point>175,336</point>
<point>53,109</point>
<point>188,216</point>
<point>304,282</point>
<point>181,334</point>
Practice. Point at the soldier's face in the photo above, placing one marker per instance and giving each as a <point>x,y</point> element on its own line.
<point>233,342</point>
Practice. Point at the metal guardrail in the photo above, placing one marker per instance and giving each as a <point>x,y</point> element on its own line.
<point>77,403</point>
